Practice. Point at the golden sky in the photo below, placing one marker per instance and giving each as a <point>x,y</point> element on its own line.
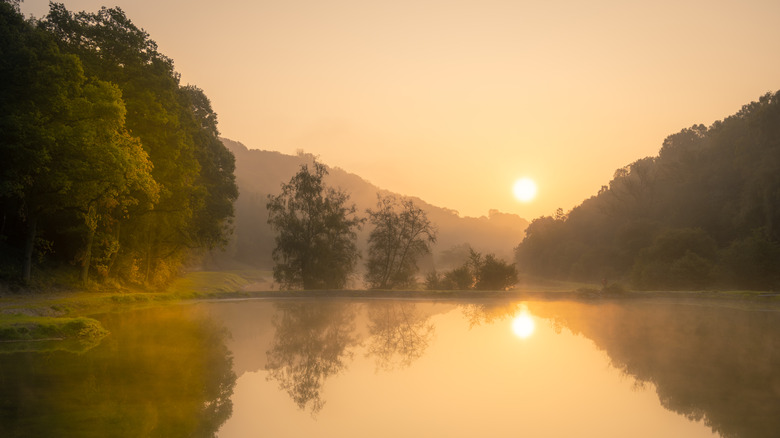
<point>452,101</point>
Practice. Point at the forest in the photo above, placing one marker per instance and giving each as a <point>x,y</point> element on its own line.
<point>704,213</point>
<point>112,169</point>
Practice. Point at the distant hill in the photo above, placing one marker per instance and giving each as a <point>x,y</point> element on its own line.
<point>703,213</point>
<point>260,173</point>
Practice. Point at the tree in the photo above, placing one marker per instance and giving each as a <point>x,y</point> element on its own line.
<point>316,232</point>
<point>680,258</point>
<point>64,141</point>
<point>478,272</point>
<point>176,127</point>
<point>395,243</point>
<point>495,274</point>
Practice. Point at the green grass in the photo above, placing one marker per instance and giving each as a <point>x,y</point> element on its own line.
<point>61,314</point>
<point>208,284</point>
<point>44,333</point>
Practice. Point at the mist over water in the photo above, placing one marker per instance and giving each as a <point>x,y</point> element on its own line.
<point>336,367</point>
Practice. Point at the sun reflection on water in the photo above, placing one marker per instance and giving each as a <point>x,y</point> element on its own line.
<point>523,324</point>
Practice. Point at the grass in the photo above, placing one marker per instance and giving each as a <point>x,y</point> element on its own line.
<point>63,314</point>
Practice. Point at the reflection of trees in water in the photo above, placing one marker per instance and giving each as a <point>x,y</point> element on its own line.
<point>489,312</point>
<point>717,364</point>
<point>400,334</point>
<point>162,372</point>
<point>311,343</point>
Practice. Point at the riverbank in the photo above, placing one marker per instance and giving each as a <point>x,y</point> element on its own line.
<point>66,315</point>
<point>63,314</point>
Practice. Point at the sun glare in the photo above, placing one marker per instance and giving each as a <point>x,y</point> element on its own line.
<point>524,189</point>
<point>523,325</point>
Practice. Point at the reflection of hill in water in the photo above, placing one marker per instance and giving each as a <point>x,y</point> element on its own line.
<point>715,363</point>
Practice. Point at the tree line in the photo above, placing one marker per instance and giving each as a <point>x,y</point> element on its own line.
<point>316,233</point>
<point>703,213</point>
<point>110,166</point>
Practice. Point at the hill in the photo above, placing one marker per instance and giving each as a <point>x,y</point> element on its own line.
<point>260,173</point>
<point>704,213</point>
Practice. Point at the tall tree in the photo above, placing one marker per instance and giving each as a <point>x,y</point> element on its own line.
<point>316,232</point>
<point>212,218</point>
<point>64,140</point>
<point>402,233</point>
<point>177,128</point>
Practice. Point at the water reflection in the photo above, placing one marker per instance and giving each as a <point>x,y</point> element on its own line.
<point>312,342</point>
<point>716,364</point>
<point>168,372</point>
<point>523,325</point>
<point>160,373</point>
<point>399,334</point>
<point>711,364</point>
<point>488,312</point>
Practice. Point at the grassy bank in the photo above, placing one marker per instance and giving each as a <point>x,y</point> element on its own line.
<point>63,314</point>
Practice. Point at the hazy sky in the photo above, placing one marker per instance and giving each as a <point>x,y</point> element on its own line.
<point>452,101</point>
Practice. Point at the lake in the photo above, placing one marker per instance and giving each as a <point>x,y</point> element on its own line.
<point>390,368</point>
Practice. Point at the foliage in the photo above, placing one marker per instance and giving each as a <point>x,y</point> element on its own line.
<point>703,213</point>
<point>107,159</point>
<point>481,273</point>
<point>316,232</point>
<point>396,242</point>
<point>495,274</point>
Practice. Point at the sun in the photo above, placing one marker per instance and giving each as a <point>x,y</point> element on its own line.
<point>524,189</point>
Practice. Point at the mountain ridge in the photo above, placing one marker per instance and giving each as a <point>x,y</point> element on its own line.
<point>262,172</point>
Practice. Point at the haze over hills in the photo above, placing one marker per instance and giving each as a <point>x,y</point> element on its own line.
<point>259,173</point>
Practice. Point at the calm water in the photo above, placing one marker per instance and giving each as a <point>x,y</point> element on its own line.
<point>340,368</point>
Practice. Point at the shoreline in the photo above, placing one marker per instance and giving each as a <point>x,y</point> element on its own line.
<point>65,315</point>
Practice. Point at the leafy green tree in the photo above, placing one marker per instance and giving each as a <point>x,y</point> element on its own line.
<point>495,274</point>
<point>64,139</point>
<point>37,84</point>
<point>111,172</point>
<point>212,218</point>
<point>401,234</point>
<point>677,259</point>
<point>751,262</point>
<point>460,278</point>
<point>316,232</point>
<point>177,129</point>
<point>478,272</point>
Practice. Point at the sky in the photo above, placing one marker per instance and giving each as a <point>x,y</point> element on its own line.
<point>453,101</point>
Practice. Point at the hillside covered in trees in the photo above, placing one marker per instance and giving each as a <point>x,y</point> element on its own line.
<point>260,173</point>
<point>704,213</point>
<point>111,168</point>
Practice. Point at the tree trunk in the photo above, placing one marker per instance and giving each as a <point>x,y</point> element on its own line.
<point>29,244</point>
<point>116,253</point>
<point>87,256</point>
